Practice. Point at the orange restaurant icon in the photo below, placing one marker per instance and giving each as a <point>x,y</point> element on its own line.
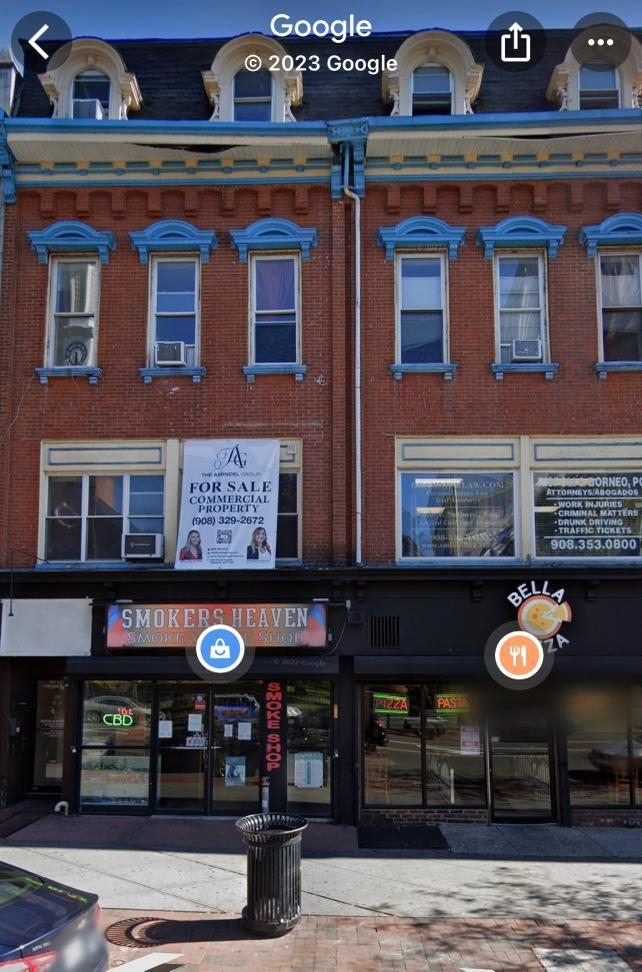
<point>519,655</point>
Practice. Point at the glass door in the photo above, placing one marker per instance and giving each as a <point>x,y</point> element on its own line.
<point>183,748</point>
<point>520,766</point>
<point>235,750</point>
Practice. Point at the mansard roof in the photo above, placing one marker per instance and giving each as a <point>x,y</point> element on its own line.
<point>169,74</point>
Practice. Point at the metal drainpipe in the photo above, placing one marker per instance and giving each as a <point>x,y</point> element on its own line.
<point>357,348</point>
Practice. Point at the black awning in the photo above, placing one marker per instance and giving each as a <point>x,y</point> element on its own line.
<point>176,666</point>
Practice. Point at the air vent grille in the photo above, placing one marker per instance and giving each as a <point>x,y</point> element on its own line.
<point>384,631</point>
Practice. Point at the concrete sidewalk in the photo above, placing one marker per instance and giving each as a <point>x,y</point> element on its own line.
<point>490,901</point>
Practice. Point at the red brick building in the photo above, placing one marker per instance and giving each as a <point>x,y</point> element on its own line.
<point>426,286</point>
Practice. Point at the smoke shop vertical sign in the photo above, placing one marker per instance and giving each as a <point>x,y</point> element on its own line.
<point>229,504</point>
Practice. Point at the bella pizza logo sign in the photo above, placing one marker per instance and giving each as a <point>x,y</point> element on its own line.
<point>542,613</point>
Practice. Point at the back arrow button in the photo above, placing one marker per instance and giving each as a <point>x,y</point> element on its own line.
<point>37,36</point>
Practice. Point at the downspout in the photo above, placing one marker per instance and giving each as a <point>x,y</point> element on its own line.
<point>347,149</point>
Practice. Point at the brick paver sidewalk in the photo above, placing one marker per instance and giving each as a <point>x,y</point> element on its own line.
<point>325,944</point>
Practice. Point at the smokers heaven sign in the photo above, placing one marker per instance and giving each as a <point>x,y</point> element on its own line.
<point>179,625</point>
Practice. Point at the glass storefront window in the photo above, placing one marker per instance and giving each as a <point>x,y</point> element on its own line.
<point>309,747</point>
<point>454,741</point>
<point>455,514</point>
<point>422,746</point>
<point>392,771</point>
<point>116,734</point>
<point>598,747</point>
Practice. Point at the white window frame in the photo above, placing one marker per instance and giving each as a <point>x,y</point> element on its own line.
<point>56,261</point>
<point>401,255</point>
<point>451,86</point>
<point>84,516</point>
<point>543,299</point>
<point>263,257</point>
<point>106,109</point>
<point>299,517</point>
<point>618,86</point>
<point>155,260</point>
<point>264,100</point>
<point>606,251</point>
<point>459,470</point>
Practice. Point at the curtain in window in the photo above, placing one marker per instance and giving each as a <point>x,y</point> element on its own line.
<point>621,307</point>
<point>519,294</point>
<point>274,285</point>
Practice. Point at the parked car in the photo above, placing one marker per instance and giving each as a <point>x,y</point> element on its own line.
<point>46,926</point>
<point>614,756</point>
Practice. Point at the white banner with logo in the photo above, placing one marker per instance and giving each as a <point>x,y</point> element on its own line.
<point>229,504</point>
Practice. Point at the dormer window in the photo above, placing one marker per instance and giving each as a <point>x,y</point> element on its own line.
<point>431,90</point>
<point>91,82</point>
<point>600,83</point>
<point>239,95</point>
<point>599,86</point>
<point>91,95</point>
<point>435,74</point>
<point>253,96</point>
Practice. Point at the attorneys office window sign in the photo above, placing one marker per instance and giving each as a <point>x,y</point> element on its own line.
<point>579,514</point>
<point>455,514</point>
<point>179,625</point>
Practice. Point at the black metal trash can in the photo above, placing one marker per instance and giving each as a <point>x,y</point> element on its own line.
<point>273,871</point>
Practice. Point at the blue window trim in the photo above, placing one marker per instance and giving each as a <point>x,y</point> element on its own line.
<point>519,232</point>
<point>447,370</point>
<point>71,236</point>
<point>602,368</point>
<point>623,229</point>
<point>547,368</point>
<point>92,374</point>
<point>419,231</point>
<point>274,234</point>
<point>173,236</point>
<point>148,374</point>
<point>298,370</point>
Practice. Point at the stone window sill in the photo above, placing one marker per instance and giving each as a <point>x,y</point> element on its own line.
<point>252,371</point>
<point>547,368</point>
<point>92,374</point>
<point>447,370</point>
<point>602,368</point>
<point>148,374</point>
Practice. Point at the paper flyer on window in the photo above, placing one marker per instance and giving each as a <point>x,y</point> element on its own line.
<point>229,504</point>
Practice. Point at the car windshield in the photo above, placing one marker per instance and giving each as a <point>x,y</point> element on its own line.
<point>15,884</point>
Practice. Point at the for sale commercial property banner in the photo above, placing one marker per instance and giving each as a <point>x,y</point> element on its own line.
<point>229,504</point>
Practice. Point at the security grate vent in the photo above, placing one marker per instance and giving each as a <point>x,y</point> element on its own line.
<point>384,631</point>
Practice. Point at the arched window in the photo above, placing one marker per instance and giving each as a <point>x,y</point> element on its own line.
<point>91,95</point>
<point>252,96</point>
<point>91,82</point>
<point>431,90</point>
<point>237,94</point>
<point>599,85</point>
<point>435,74</point>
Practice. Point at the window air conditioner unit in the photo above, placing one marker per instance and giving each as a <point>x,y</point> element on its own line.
<point>170,352</point>
<point>142,546</point>
<point>87,108</point>
<point>527,350</point>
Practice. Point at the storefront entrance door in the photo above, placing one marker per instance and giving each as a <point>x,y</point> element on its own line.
<point>520,766</point>
<point>208,749</point>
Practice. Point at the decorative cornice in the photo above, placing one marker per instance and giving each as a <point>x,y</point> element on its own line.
<point>7,170</point>
<point>274,234</point>
<point>521,231</point>
<point>71,236</point>
<point>623,229</point>
<point>420,231</point>
<point>173,236</point>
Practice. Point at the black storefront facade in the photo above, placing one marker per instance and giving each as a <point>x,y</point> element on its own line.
<point>391,715</point>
